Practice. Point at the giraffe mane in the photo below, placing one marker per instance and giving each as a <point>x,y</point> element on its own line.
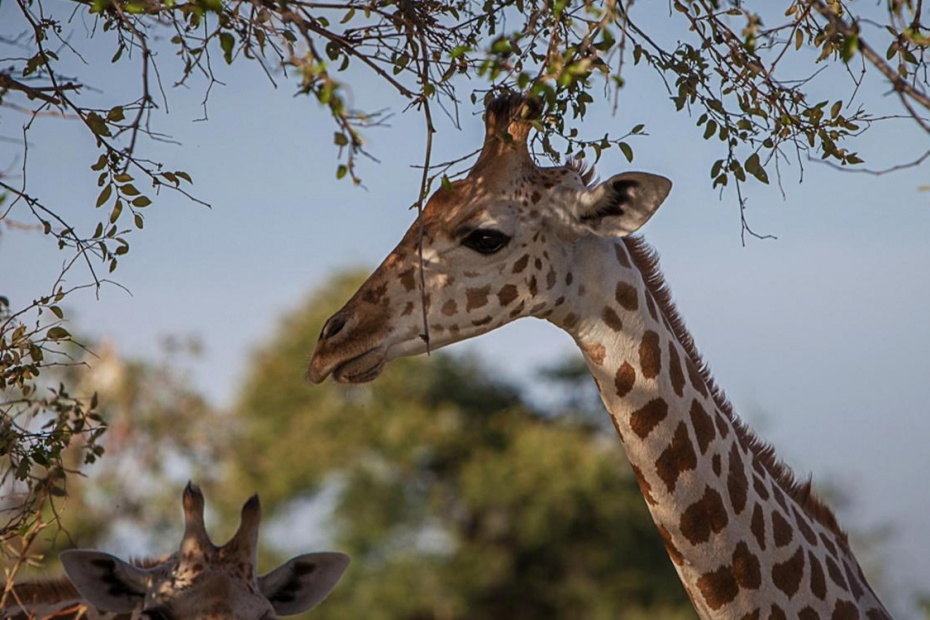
<point>646,259</point>
<point>584,170</point>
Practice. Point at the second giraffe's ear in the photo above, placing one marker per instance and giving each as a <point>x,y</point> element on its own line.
<point>622,204</point>
<point>105,581</point>
<point>303,582</point>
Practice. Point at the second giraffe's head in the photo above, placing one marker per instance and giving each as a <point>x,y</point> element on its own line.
<point>498,245</point>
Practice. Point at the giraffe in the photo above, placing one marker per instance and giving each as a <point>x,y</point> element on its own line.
<point>200,581</point>
<point>513,240</point>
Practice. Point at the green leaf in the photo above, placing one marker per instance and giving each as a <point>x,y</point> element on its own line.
<point>627,151</point>
<point>57,333</point>
<point>56,311</point>
<point>101,162</point>
<point>129,190</point>
<point>116,114</point>
<point>117,209</point>
<point>227,41</point>
<point>141,201</point>
<point>340,139</point>
<point>104,195</point>
<point>341,171</point>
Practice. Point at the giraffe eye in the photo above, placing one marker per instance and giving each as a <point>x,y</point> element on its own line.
<point>486,241</point>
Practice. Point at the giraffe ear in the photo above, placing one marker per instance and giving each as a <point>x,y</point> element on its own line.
<point>302,583</point>
<point>622,204</point>
<point>105,581</point>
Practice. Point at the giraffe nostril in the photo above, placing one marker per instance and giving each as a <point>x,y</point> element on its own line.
<point>332,327</point>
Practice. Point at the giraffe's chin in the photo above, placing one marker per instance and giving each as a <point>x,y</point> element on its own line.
<point>362,369</point>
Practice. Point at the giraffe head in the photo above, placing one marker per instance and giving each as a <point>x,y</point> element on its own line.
<point>204,581</point>
<point>496,246</point>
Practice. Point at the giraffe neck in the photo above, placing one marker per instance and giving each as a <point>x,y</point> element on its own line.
<point>745,538</point>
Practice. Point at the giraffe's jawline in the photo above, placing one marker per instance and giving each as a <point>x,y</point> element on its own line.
<point>362,368</point>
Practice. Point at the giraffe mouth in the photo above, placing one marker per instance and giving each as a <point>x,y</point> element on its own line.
<point>361,369</point>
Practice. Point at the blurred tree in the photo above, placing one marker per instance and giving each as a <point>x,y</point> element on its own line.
<point>455,498</point>
<point>160,433</point>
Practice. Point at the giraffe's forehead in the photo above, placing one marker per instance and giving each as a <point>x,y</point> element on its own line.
<point>225,591</point>
<point>485,201</point>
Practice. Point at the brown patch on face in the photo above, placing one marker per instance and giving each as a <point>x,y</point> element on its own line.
<point>644,419</point>
<point>753,615</point>
<point>611,319</point>
<point>375,294</point>
<point>450,307</point>
<point>559,301</point>
<point>757,525</point>
<point>595,353</point>
<point>650,355</point>
<point>719,587</point>
<point>481,321</point>
<point>670,547</point>
<point>536,197</point>
<point>677,458</point>
<point>703,517</point>
<point>644,485</point>
<point>550,279</point>
<point>476,297</point>
<point>697,382</point>
<point>571,319</point>
<point>407,309</point>
<point>818,581</point>
<point>675,373</point>
<point>538,264</point>
<point>787,575</point>
<point>534,311</point>
<point>737,483</point>
<point>806,530</point>
<point>518,309</point>
<point>835,573</point>
<point>568,278</point>
<point>627,297</point>
<point>721,425</point>
<point>506,295</point>
<point>521,263</point>
<point>407,279</point>
<point>844,610</point>
<point>622,258</point>
<point>533,287</point>
<point>781,529</point>
<point>582,291</point>
<point>715,464</point>
<point>702,424</point>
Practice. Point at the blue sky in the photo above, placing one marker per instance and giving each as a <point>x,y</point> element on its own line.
<point>820,338</point>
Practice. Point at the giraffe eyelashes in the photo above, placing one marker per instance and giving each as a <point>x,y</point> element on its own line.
<point>486,241</point>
